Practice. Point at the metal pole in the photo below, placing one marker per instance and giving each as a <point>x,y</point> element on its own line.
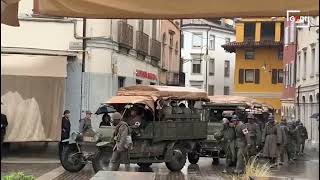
<point>207,52</point>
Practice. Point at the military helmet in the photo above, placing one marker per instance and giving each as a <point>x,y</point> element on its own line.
<point>234,118</point>
<point>250,116</point>
<point>225,120</point>
<point>116,116</point>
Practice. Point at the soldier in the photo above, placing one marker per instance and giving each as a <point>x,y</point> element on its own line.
<point>228,139</point>
<point>120,151</point>
<point>85,123</point>
<point>302,135</point>
<point>242,143</point>
<point>292,141</point>
<point>284,141</point>
<point>135,120</point>
<point>271,137</point>
<point>254,134</point>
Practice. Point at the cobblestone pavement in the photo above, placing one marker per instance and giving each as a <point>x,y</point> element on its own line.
<point>305,168</point>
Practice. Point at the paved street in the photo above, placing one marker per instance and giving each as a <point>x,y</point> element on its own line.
<point>305,168</point>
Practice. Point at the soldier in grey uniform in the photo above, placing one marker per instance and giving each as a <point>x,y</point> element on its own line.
<point>292,141</point>
<point>271,137</point>
<point>120,151</point>
<point>254,134</point>
<point>85,124</point>
<point>243,142</point>
<point>228,134</point>
<point>283,153</point>
<point>135,121</point>
<point>302,135</point>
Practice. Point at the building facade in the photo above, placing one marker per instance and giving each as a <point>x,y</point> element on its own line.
<point>87,61</point>
<point>307,79</point>
<point>289,60</point>
<point>259,60</point>
<point>205,63</point>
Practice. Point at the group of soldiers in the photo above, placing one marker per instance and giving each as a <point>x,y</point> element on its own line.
<point>277,142</point>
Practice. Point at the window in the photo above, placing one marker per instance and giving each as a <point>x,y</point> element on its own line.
<point>140,25</point>
<point>280,54</point>
<point>212,42</point>
<point>249,31</point>
<point>298,67</point>
<point>152,83</point>
<point>138,81</point>
<point>196,66</point>
<point>226,68</point>
<point>154,29</point>
<point>227,40</point>
<point>211,67</point>
<point>267,31</point>
<point>121,81</point>
<point>313,61</point>
<point>304,65</point>
<point>211,90</point>
<point>182,41</point>
<point>277,76</point>
<point>197,40</point>
<point>171,40</point>
<point>286,36</point>
<point>226,90</point>
<point>292,74</point>
<point>249,54</point>
<point>249,75</point>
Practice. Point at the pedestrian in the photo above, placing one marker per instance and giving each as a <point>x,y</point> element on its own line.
<point>292,140</point>
<point>254,134</point>
<point>271,137</point>
<point>4,124</point>
<point>120,153</point>
<point>242,143</point>
<point>85,123</point>
<point>284,151</point>
<point>135,120</point>
<point>65,130</point>
<point>228,134</point>
<point>302,135</point>
<point>105,120</point>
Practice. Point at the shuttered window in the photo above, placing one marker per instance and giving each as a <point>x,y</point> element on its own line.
<point>257,76</point>
<point>249,75</point>
<point>274,76</point>
<point>241,76</point>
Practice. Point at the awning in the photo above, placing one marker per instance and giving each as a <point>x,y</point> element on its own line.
<point>171,9</point>
<point>9,12</point>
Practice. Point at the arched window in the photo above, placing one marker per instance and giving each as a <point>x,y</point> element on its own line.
<point>303,99</point>
<point>164,43</point>
<point>310,99</point>
<point>317,97</point>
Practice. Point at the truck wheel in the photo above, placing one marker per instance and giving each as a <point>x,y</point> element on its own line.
<point>144,165</point>
<point>193,157</point>
<point>71,160</point>
<point>101,161</point>
<point>178,160</point>
<point>215,161</point>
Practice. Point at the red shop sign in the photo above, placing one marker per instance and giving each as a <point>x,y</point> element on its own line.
<point>146,75</point>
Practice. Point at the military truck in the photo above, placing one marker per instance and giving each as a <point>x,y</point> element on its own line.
<point>218,108</point>
<point>165,136</point>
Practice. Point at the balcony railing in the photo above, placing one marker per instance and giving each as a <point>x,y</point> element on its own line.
<point>155,50</point>
<point>142,43</point>
<point>125,35</point>
<point>175,79</point>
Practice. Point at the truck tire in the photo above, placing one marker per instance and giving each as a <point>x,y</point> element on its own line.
<point>215,161</point>
<point>178,160</point>
<point>101,160</point>
<point>144,165</point>
<point>193,157</point>
<point>70,160</point>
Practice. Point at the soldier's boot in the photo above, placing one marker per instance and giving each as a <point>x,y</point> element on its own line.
<point>115,166</point>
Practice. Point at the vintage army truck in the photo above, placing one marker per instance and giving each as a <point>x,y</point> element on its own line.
<point>167,134</point>
<point>218,108</point>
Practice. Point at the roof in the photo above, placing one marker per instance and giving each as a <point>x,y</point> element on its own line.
<point>146,100</point>
<point>232,46</point>
<point>164,92</point>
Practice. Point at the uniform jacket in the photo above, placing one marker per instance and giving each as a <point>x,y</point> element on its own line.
<point>120,136</point>
<point>254,132</point>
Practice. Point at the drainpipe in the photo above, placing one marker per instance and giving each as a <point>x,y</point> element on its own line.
<point>84,46</point>
<point>207,53</point>
<point>295,71</point>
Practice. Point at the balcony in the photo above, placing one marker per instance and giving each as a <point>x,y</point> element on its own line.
<point>142,43</point>
<point>175,78</point>
<point>155,50</point>
<point>125,35</point>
